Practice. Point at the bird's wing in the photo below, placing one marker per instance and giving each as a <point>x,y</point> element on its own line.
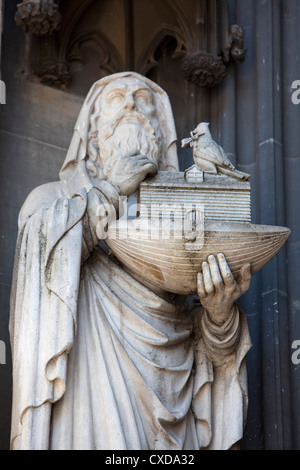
<point>210,150</point>
<point>226,159</point>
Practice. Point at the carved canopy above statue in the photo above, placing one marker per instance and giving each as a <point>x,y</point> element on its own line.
<point>91,39</point>
<point>182,45</point>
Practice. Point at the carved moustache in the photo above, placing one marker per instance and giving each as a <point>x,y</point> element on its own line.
<point>126,117</point>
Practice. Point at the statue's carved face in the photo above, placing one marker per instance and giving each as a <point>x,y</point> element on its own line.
<point>128,121</point>
<point>127,96</point>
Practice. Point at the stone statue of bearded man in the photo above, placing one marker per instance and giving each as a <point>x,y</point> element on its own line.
<point>102,360</point>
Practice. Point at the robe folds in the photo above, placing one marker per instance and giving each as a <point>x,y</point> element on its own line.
<point>100,361</point>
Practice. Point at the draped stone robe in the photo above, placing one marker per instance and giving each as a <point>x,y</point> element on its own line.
<point>100,360</point>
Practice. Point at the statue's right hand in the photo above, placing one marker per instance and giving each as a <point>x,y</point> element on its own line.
<point>129,171</point>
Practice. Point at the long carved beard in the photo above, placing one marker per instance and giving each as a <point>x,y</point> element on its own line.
<point>132,132</point>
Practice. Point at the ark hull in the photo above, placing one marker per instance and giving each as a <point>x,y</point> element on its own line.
<point>172,262</point>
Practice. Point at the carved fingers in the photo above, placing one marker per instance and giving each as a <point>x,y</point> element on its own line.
<point>130,170</point>
<point>215,275</point>
<point>146,166</point>
<point>133,161</point>
<point>217,287</point>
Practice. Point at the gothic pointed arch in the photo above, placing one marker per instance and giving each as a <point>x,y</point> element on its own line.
<point>164,35</point>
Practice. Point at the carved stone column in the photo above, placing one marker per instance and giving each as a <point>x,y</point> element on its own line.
<point>38,17</point>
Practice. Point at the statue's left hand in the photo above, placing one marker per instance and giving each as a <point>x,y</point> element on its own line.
<point>217,288</point>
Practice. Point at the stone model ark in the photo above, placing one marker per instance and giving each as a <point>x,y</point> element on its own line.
<point>182,217</point>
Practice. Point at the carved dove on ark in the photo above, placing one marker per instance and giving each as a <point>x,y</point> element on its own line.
<point>208,155</point>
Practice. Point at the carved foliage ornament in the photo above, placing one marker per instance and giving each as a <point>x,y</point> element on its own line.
<point>38,17</point>
<point>203,69</point>
<point>206,70</point>
<point>53,73</point>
